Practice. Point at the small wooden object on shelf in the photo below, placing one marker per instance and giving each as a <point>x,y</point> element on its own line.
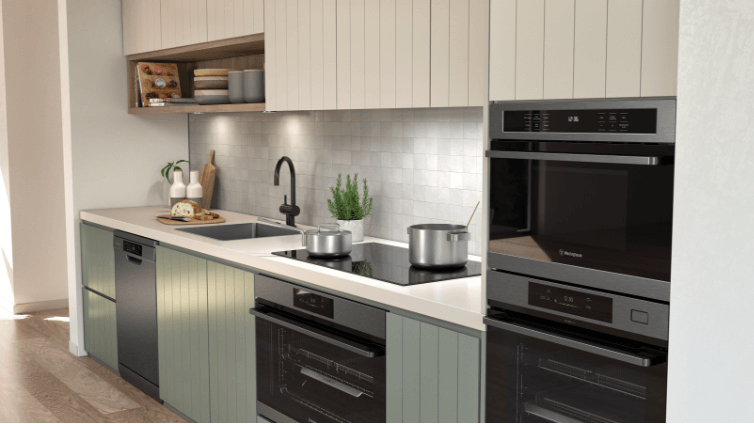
<point>207,180</point>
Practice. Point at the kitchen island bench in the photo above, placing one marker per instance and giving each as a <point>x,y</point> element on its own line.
<point>205,287</point>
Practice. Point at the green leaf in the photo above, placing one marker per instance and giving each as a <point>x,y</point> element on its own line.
<point>346,203</point>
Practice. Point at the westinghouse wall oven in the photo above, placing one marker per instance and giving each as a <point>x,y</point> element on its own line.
<point>582,192</point>
<point>320,358</point>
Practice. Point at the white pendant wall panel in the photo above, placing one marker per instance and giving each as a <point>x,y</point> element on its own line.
<point>357,55</point>
<point>590,45</point>
<point>281,54</point>
<point>478,16</point>
<point>530,42</point>
<point>387,53</point>
<point>372,54</point>
<point>304,56</point>
<point>458,66</point>
<point>659,53</point>
<point>329,15</point>
<point>421,51</point>
<point>439,59</point>
<point>623,70</point>
<point>502,50</point>
<point>343,22</point>
<point>270,57</point>
<point>404,61</point>
<point>559,33</point>
<point>317,55</point>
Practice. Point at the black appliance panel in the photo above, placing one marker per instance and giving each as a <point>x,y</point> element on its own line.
<point>628,121</point>
<point>571,302</point>
<point>312,302</point>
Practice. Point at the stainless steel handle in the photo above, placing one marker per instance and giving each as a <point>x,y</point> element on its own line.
<point>607,352</point>
<point>134,259</point>
<point>575,157</point>
<point>465,236</point>
<point>316,333</point>
<point>336,226</point>
<point>332,383</point>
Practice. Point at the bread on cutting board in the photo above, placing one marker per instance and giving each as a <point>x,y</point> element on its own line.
<point>187,208</point>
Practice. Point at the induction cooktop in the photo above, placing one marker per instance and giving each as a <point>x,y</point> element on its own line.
<point>386,263</point>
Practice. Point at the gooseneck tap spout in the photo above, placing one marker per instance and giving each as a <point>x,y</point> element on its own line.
<point>290,211</point>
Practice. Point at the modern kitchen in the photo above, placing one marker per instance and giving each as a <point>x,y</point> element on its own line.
<point>376,210</point>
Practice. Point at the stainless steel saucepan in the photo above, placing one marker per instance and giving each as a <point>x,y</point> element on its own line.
<point>327,241</point>
<point>438,246</point>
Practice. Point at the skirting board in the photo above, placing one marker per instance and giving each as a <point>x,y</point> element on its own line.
<point>40,306</point>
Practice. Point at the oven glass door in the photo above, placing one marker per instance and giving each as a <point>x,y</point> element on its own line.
<point>531,380</point>
<point>588,213</point>
<point>311,380</point>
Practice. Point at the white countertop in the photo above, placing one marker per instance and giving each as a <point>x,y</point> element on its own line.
<point>456,301</point>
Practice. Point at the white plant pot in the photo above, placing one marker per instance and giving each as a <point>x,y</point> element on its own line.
<point>356,227</point>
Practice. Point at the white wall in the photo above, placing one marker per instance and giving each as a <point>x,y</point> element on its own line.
<point>6,245</point>
<point>115,158</point>
<point>711,338</point>
<point>34,152</point>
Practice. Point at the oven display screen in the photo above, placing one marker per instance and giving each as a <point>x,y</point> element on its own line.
<point>315,303</point>
<point>627,121</point>
<point>572,302</point>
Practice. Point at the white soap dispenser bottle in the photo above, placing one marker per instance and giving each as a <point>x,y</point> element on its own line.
<point>194,189</point>
<point>178,189</point>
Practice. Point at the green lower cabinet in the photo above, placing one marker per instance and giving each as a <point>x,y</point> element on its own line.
<point>100,332</point>
<point>232,345</point>
<point>97,259</point>
<point>433,374</point>
<point>183,332</point>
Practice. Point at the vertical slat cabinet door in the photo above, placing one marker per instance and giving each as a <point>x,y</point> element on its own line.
<point>429,366</point>
<point>212,20</point>
<point>372,54</point>
<point>411,371</point>
<point>270,57</point>
<point>330,63</point>
<point>394,365</point>
<point>440,50</point>
<point>558,70</point>
<point>590,44</point>
<point>304,56</point>
<point>198,19</point>
<point>281,55</point>
<point>317,55</point>
<point>251,347</point>
<point>142,25</point>
<point>100,335</point>
<point>458,66</point>
<point>219,20</point>
<point>97,260</point>
<point>387,54</point>
<point>168,23</point>
<point>623,71</point>
<point>469,372</point>
<point>530,43</point>
<point>448,376</point>
<point>292,51</point>
<point>358,88</point>
<point>422,47</point>
<point>248,17</point>
<point>659,51</point>
<point>403,53</point>
<point>343,28</point>
<point>478,20</point>
<point>129,10</point>
<point>258,16</point>
<point>502,50</point>
<point>239,19</point>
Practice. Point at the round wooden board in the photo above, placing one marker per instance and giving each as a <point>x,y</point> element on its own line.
<point>165,220</point>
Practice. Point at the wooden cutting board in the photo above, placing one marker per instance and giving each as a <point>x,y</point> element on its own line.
<point>207,180</point>
<point>165,219</point>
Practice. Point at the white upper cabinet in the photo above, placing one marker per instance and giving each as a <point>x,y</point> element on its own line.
<point>232,18</point>
<point>183,22</point>
<point>576,49</point>
<point>141,26</point>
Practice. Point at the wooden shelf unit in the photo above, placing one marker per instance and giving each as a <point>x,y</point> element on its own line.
<point>238,53</point>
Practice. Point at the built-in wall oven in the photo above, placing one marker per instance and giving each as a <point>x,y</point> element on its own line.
<point>320,358</point>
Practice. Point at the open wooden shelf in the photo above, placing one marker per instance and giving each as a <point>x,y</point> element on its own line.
<point>246,52</point>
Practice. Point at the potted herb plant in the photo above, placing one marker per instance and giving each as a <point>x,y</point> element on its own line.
<point>348,208</point>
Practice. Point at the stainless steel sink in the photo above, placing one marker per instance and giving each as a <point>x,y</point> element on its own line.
<point>239,231</point>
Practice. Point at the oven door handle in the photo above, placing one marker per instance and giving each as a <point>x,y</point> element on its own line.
<point>311,331</point>
<point>345,388</point>
<point>618,355</point>
<point>573,157</point>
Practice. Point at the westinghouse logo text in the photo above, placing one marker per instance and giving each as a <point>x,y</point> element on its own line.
<point>571,254</point>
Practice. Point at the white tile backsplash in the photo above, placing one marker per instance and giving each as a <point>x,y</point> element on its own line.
<point>422,165</point>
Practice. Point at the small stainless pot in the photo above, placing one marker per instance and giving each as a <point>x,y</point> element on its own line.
<point>332,243</point>
<point>438,246</point>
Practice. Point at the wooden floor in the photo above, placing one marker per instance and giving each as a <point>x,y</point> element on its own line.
<point>40,381</point>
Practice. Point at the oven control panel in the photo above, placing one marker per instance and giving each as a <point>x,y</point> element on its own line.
<point>630,121</point>
<point>572,302</point>
<point>313,302</point>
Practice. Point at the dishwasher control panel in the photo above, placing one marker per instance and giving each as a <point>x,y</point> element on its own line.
<point>132,248</point>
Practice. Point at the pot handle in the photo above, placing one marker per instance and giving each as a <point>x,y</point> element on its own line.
<point>464,236</point>
<point>336,226</point>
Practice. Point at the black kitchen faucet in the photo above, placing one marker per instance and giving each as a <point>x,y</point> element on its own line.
<point>291,210</point>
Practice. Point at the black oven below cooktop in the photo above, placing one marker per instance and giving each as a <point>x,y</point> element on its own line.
<point>386,263</point>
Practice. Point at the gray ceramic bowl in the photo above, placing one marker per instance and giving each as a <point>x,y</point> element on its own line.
<point>211,97</point>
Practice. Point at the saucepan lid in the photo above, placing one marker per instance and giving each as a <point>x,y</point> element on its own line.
<point>328,230</point>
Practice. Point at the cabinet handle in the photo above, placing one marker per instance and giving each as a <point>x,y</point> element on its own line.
<point>332,383</point>
<point>573,157</point>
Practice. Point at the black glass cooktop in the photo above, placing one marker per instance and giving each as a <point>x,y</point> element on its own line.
<point>386,263</point>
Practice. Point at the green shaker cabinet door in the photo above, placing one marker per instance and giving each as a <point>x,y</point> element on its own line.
<point>100,332</point>
<point>232,354</point>
<point>97,260</point>
<point>183,333</point>
<point>433,374</point>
